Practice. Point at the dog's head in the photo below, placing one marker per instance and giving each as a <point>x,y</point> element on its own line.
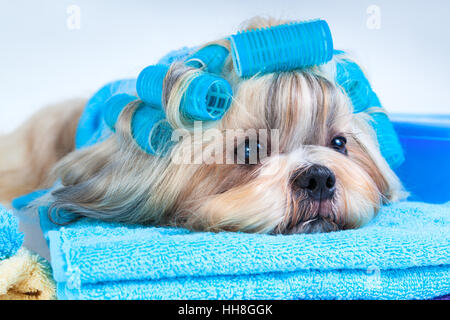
<point>289,156</point>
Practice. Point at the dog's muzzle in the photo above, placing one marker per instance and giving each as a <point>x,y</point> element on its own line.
<point>318,182</point>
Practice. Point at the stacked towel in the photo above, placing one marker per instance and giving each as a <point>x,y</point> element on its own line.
<point>10,237</point>
<point>23,276</point>
<point>402,254</point>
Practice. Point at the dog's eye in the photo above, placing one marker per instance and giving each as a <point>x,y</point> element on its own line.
<point>248,152</point>
<point>339,144</point>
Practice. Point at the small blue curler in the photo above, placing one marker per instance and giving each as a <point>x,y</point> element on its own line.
<point>211,58</point>
<point>149,128</point>
<point>352,79</point>
<point>114,106</point>
<point>355,84</point>
<point>390,146</point>
<point>281,48</point>
<point>151,131</point>
<point>150,82</point>
<point>207,97</point>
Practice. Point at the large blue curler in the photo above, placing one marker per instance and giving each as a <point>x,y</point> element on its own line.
<point>281,48</point>
<point>211,58</point>
<point>114,106</point>
<point>207,97</point>
<point>355,84</point>
<point>151,131</point>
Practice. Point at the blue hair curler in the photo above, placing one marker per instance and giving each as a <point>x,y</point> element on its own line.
<point>114,106</point>
<point>355,84</point>
<point>149,128</point>
<point>211,58</point>
<point>390,146</point>
<point>281,48</point>
<point>150,82</point>
<point>207,96</point>
<point>352,79</point>
<point>151,131</point>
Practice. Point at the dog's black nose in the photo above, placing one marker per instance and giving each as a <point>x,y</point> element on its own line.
<point>318,181</point>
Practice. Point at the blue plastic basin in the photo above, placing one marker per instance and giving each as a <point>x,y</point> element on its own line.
<point>426,143</point>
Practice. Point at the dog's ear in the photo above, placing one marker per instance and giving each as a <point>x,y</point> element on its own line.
<point>370,157</point>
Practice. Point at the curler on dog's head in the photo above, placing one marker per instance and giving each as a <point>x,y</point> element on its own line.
<point>390,146</point>
<point>114,106</point>
<point>149,127</point>
<point>151,131</point>
<point>357,87</point>
<point>210,58</point>
<point>281,48</point>
<point>150,83</point>
<point>355,84</point>
<point>207,97</point>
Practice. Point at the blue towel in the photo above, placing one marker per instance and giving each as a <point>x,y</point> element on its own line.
<point>91,127</point>
<point>177,55</point>
<point>10,237</point>
<point>404,253</point>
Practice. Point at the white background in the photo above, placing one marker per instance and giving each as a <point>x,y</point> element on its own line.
<point>44,61</point>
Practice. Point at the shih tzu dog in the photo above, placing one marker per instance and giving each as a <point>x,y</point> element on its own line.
<point>326,174</point>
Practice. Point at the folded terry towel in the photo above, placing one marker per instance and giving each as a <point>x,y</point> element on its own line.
<point>10,237</point>
<point>402,254</point>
